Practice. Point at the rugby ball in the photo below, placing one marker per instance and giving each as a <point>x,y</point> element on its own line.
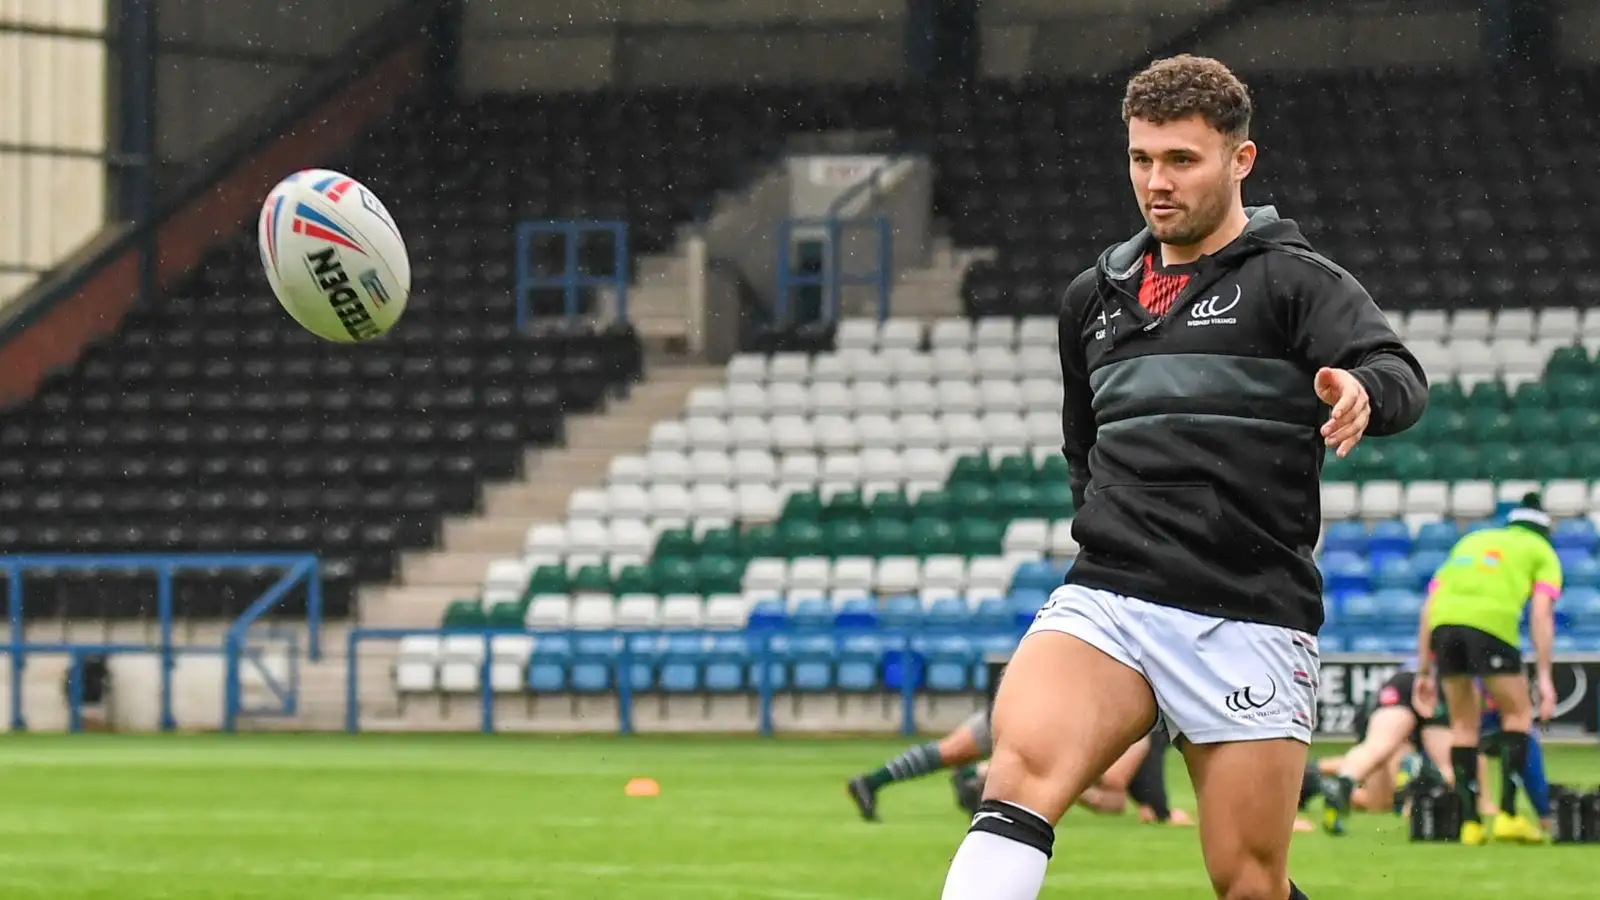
<point>334,258</point>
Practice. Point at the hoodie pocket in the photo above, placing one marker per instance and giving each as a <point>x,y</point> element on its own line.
<point>1129,519</point>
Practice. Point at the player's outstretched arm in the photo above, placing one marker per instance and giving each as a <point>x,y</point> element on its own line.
<point>1334,323</point>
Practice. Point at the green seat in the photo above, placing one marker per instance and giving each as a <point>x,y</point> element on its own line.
<point>1372,461</point>
<point>931,536</point>
<point>1053,470</point>
<point>1534,424</point>
<point>1571,360</point>
<point>760,540</point>
<point>720,542</point>
<point>1053,501</point>
<point>1457,462</point>
<point>1411,462</point>
<point>1489,395</point>
<point>673,575</point>
<point>889,505</point>
<point>635,580</point>
<point>845,537</point>
<point>1579,425</point>
<point>591,580</point>
<point>1572,391</point>
<point>1551,461</point>
<point>798,538</point>
<point>845,505</point>
<point>970,470</point>
<point>1015,500</point>
<point>1491,426</point>
<point>675,542</point>
<point>979,537</point>
<point>931,503</point>
<point>1015,468</point>
<point>887,537</point>
<point>1445,425</point>
<point>718,575</point>
<point>1586,459</point>
<point>803,505</point>
<point>1531,395</point>
<point>508,615</point>
<point>971,501</point>
<point>548,580</point>
<point>464,614</point>
<point>1502,461</point>
<point>1336,469</point>
<point>1446,396</point>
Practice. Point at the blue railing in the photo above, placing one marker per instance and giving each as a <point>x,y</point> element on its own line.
<point>832,231</point>
<point>571,279</point>
<point>296,569</point>
<point>900,665</point>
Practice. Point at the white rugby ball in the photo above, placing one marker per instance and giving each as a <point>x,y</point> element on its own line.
<point>333,256</point>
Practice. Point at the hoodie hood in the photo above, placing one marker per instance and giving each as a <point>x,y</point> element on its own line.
<point>1266,230</point>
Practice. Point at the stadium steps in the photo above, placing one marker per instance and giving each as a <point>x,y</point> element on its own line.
<point>510,509</point>
<point>933,291</point>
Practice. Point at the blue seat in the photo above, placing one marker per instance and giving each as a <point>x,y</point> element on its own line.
<point>1481,525</point>
<point>547,665</point>
<point>948,612</point>
<point>900,611</point>
<point>811,614</point>
<point>547,677</point>
<point>1570,557</point>
<point>1369,643</point>
<point>1398,606</point>
<point>1582,602</point>
<point>1346,572</point>
<point>1426,563</point>
<point>1436,537</point>
<point>1394,572</point>
<point>1583,573</point>
<point>767,615</point>
<point>1038,575</point>
<point>990,614</point>
<point>856,613</point>
<point>682,663</point>
<point>1587,643</point>
<point>1575,534</point>
<point>856,666</point>
<point>1345,536</point>
<point>813,657</point>
<point>1331,642</point>
<point>949,663</point>
<point>1358,609</point>
<point>1389,538</point>
<point>726,662</point>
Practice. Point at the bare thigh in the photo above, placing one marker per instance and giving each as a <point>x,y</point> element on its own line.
<point>1063,714</point>
<point>1466,712</point>
<point>1248,793</point>
<point>1511,695</point>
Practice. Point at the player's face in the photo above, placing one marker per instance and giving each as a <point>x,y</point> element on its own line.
<point>1185,177</point>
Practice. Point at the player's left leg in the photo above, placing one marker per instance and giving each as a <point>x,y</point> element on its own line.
<point>1388,730</point>
<point>1109,795</point>
<point>1511,695</point>
<point>969,743</point>
<point>1537,784</point>
<point>1240,701</point>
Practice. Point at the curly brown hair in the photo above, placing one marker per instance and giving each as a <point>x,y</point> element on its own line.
<point>1182,86</point>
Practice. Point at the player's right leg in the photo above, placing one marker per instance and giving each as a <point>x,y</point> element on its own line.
<point>1460,692</point>
<point>1511,694</point>
<point>968,743</point>
<point>1072,701</point>
<point>1388,730</point>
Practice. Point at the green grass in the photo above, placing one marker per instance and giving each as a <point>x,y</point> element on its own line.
<point>452,818</point>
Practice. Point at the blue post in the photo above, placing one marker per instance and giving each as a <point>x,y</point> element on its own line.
<point>485,687</point>
<point>764,682</point>
<point>624,664</point>
<point>571,273</point>
<point>14,603</point>
<point>74,693</point>
<point>231,690</point>
<point>314,609</point>
<point>908,688</point>
<point>352,687</point>
<point>164,608</point>
<point>619,265</point>
<point>785,273</point>
<point>571,279</point>
<point>885,267</point>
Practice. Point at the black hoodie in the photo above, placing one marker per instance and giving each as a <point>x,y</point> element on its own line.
<point>1194,438</point>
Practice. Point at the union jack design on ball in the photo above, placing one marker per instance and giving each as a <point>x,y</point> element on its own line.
<point>308,221</point>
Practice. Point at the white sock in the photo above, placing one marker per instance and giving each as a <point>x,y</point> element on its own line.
<point>991,867</point>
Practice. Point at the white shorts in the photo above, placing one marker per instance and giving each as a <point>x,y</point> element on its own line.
<point>1215,680</point>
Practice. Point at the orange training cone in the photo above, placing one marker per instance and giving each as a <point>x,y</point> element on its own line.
<point>642,787</point>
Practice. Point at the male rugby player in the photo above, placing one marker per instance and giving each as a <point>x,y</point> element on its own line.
<point>1469,628</point>
<point>1208,365</point>
<point>1384,727</point>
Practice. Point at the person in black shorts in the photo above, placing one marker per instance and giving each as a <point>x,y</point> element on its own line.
<point>1364,777</point>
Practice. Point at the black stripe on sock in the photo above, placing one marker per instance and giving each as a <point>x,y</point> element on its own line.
<point>1015,823</point>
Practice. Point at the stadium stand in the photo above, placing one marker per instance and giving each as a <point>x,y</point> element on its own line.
<point>910,475</point>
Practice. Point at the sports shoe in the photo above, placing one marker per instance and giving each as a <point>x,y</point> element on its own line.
<point>866,799</point>
<point>1335,804</point>
<point>1516,830</point>
<point>1473,834</point>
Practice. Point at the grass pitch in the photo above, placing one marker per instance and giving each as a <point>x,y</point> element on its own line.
<point>474,818</point>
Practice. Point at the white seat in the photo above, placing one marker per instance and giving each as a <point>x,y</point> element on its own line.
<point>995,331</point>
<point>1513,491</point>
<point>900,333</point>
<point>834,434</point>
<point>629,501</point>
<point>726,611</point>
<point>951,365</point>
<point>915,398</point>
<point>507,574</point>
<point>869,369</point>
<point>549,611</point>
<point>1002,429</point>
<point>857,334</point>
<point>1062,544</point>
<point>876,432</point>
<point>749,433</point>
<point>800,469</point>
<point>1436,359</point>
<point>1557,323</point>
<point>950,332</point>
<point>710,402</point>
<point>593,613</point>
<point>1026,536</point>
<point>990,573</point>
<point>841,467</point>
<point>822,400</point>
<point>743,400</point>
<point>638,611</point>
<point>754,467</point>
<point>898,575</point>
<point>682,611</point>
<point>417,666</point>
<point>667,468</point>
<point>881,464</point>
<point>920,431</point>
<point>1471,325</point>
<point>758,503</point>
<point>1040,362</point>
<point>1471,499</point>
<point>706,434</point>
<point>1001,397</point>
<point>996,364</point>
<point>910,367</point>
<point>852,573</point>
<point>944,571</point>
<point>668,436</point>
<point>792,368</point>
<point>1513,324</point>
<point>1565,498</point>
<point>1430,498</point>
<point>545,540</point>
<point>836,368</point>
<point>1339,500</point>
<point>799,400</point>
<point>810,573</point>
<point>766,575</point>
<point>1473,357</point>
<point>1044,428</point>
<point>926,464</point>
<point>670,501</point>
<point>461,664</point>
<point>1427,325</point>
<point>792,434</point>
<point>961,433</point>
<point>748,368</point>
<point>628,468</point>
<point>865,399</point>
<point>631,537</point>
<point>713,501</point>
<point>1380,499</point>
<point>1518,357</point>
<point>709,467</point>
<point>508,662</point>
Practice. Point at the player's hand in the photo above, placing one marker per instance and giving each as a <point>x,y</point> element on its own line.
<point>1547,698</point>
<point>1347,423</point>
<point>1425,696</point>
